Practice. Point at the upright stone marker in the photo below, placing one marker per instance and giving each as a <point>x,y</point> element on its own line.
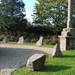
<point>69,22</point>
<point>40,41</point>
<point>5,40</point>
<point>57,52</point>
<point>21,40</point>
<point>67,38</point>
<point>36,62</point>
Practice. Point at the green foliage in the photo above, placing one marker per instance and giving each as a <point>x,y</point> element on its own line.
<point>40,30</point>
<point>52,13</point>
<point>11,8</point>
<point>11,15</point>
<point>54,66</point>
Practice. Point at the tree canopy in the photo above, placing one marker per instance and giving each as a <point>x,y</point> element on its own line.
<point>52,13</point>
<point>11,14</point>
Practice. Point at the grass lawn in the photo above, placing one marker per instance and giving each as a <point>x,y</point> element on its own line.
<point>33,44</point>
<point>54,66</point>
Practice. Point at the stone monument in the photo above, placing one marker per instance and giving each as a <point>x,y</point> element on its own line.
<point>67,38</point>
<point>21,40</point>
<point>5,40</point>
<point>40,41</point>
<point>36,62</point>
<point>57,52</point>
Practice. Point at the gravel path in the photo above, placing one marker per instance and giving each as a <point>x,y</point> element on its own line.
<point>15,56</point>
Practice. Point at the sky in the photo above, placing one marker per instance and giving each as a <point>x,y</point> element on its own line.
<point>29,7</point>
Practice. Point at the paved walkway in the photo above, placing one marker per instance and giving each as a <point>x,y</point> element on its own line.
<point>15,56</point>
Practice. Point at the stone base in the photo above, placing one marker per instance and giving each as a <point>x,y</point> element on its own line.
<point>68,32</point>
<point>67,43</point>
<point>67,39</point>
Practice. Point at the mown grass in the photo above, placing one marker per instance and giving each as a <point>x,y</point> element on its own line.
<point>33,44</point>
<point>54,66</point>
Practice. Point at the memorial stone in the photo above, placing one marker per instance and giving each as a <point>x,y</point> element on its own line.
<point>57,52</point>
<point>21,40</point>
<point>5,40</point>
<point>40,41</point>
<point>67,38</point>
<point>36,62</point>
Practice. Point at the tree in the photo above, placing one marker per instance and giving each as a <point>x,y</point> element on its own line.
<point>11,12</point>
<point>52,13</point>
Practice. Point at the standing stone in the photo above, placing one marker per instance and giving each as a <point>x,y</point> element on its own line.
<point>40,41</point>
<point>69,22</point>
<point>57,52</point>
<point>67,38</point>
<point>21,40</point>
<point>36,62</point>
<point>5,40</point>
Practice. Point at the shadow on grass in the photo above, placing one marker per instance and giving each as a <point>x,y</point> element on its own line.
<point>54,68</point>
<point>68,56</point>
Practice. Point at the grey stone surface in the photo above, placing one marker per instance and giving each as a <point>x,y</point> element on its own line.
<point>57,52</point>
<point>15,56</point>
<point>69,22</point>
<point>40,41</point>
<point>5,40</point>
<point>67,38</point>
<point>21,40</point>
<point>36,62</point>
